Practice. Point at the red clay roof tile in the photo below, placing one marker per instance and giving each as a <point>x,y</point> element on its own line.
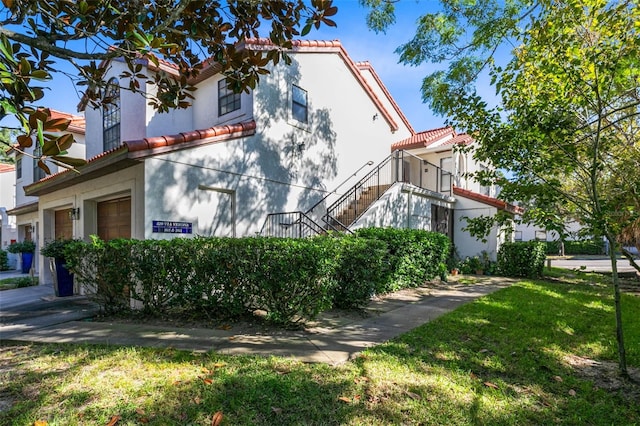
<point>485,199</point>
<point>434,137</point>
<point>156,144</point>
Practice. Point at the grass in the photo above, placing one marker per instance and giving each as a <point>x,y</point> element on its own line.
<point>17,282</point>
<point>504,359</point>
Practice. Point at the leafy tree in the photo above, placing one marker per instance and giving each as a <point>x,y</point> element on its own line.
<point>6,138</point>
<point>37,35</point>
<point>565,122</point>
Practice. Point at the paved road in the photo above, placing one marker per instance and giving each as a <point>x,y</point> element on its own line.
<point>595,264</point>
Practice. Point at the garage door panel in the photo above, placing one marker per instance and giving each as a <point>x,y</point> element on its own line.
<point>114,219</point>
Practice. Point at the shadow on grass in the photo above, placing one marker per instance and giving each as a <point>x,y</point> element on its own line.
<point>91,385</point>
<point>502,360</point>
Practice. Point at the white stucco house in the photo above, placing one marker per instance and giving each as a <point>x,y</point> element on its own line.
<point>8,229</point>
<point>305,151</point>
<point>25,212</point>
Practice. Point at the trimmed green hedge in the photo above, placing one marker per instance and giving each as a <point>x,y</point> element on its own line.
<point>4,261</point>
<point>521,259</point>
<point>287,279</point>
<point>576,247</point>
<point>414,256</point>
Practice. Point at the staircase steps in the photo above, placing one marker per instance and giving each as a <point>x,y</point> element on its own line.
<point>368,195</point>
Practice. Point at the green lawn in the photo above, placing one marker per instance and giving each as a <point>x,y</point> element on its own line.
<point>17,282</point>
<point>504,359</point>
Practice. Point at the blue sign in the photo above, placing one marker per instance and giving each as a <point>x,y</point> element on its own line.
<point>169,227</point>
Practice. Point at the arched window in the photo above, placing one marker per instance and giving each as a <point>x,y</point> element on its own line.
<point>111,115</point>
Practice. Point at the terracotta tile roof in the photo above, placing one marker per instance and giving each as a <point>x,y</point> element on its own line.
<point>161,144</point>
<point>423,139</point>
<point>485,199</point>
<point>442,136</point>
<point>77,124</point>
<point>4,168</point>
<point>130,152</point>
<point>23,209</point>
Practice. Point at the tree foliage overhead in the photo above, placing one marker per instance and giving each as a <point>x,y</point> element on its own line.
<point>36,36</point>
<point>566,119</point>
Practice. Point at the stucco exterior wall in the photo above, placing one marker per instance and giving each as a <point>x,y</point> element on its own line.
<point>85,196</point>
<point>285,166</point>
<point>466,245</point>
<point>205,106</point>
<point>401,206</point>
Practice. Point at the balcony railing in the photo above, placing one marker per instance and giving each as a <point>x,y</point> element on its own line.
<point>400,166</point>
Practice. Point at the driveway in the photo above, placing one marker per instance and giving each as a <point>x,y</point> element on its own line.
<point>591,263</point>
<point>30,308</point>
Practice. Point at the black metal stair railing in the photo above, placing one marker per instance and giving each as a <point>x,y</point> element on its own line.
<point>290,225</point>
<point>400,166</point>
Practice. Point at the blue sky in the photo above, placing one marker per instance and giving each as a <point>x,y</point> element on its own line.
<point>362,45</point>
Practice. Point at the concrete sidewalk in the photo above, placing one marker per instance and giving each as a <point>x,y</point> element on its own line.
<point>334,338</point>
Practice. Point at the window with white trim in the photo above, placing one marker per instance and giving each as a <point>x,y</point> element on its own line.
<point>228,100</point>
<point>38,173</point>
<point>111,116</point>
<point>19,168</point>
<point>541,236</point>
<point>299,104</point>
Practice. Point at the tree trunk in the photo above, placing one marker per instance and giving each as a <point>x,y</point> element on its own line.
<point>622,358</point>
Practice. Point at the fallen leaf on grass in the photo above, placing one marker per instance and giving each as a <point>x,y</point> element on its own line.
<point>473,376</point>
<point>491,385</point>
<point>413,396</point>
<point>207,381</point>
<point>140,411</point>
<point>41,423</point>
<point>114,420</point>
<point>483,351</point>
<point>276,410</point>
<point>219,364</point>
<point>572,392</point>
<point>361,379</point>
<point>197,400</point>
<point>345,399</point>
<point>217,418</point>
<point>558,379</point>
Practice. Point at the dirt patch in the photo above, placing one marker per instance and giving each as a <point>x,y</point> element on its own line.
<point>605,375</point>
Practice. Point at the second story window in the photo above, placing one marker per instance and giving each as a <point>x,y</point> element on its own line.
<point>299,106</point>
<point>38,173</point>
<point>228,100</point>
<point>19,168</point>
<point>445,174</point>
<point>111,116</point>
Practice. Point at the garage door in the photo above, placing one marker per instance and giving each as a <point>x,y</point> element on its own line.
<point>63,225</point>
<point>114,219</point>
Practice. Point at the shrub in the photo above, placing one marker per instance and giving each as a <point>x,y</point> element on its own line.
<point>4,261</point>
<point>103,269</point>
<point>56,248</point>
<point>288,279</point>
<point>26,246</point>
<point>594,246</point>
<point>521,259</point>
<point>358,268</point>
<point>414,256</point>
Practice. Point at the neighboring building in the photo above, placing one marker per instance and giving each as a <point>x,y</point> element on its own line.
<point>26,208</point>
<point>310,139</point>
<point>8,229</point>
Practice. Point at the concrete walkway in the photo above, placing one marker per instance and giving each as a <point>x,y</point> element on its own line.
<point>333,339</point>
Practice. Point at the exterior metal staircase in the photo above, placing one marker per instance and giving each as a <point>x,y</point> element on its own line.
<point>400,166</point>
